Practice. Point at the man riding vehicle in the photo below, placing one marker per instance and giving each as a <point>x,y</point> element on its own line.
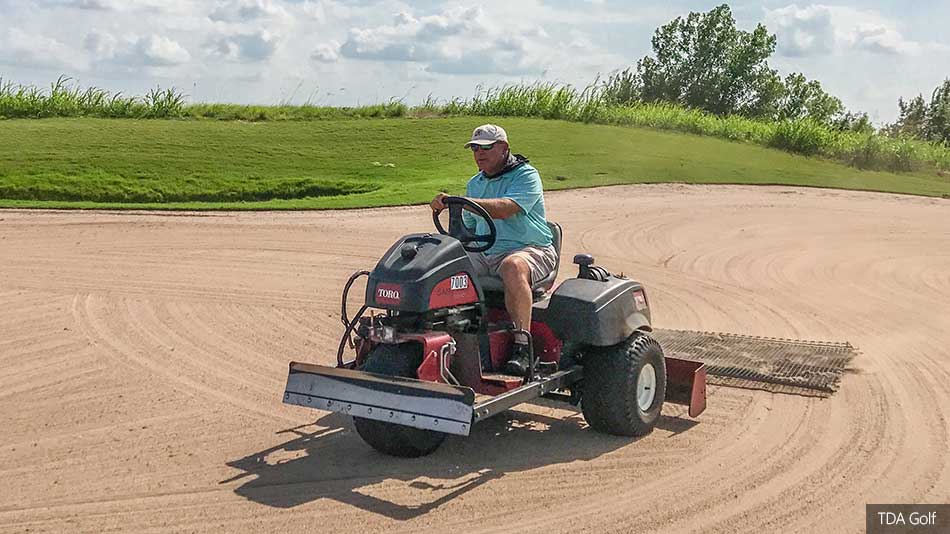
<point>509,189</point>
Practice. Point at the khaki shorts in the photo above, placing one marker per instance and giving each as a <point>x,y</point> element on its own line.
<point>541,260</point>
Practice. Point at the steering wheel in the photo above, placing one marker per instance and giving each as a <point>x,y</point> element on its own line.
<point>457,228</point>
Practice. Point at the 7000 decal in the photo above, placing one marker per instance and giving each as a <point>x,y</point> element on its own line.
<point>459,282</point>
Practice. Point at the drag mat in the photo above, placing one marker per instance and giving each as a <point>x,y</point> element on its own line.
<point>810,368</point>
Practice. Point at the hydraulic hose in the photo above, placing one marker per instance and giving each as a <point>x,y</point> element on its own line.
<point>346,290</point>
<point>346,336</point>
<point>348,324</point>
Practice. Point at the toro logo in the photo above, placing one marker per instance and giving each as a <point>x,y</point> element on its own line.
<point>388,294</point>
<point>640,299</point>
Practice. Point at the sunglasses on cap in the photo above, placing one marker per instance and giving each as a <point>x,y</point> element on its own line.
<point>475,148</point>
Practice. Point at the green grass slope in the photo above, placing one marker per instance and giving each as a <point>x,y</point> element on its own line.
<point>103,163</point>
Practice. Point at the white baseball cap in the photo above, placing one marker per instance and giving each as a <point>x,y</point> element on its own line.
<point>487,134</point>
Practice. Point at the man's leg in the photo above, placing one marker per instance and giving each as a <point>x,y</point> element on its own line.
<point>516,274</point>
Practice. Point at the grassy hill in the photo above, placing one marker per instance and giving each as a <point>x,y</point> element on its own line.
<point>107,163</point>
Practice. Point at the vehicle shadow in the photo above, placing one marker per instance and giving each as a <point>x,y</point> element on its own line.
<point>328,460</point>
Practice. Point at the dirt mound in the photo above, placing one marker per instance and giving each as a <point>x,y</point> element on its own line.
<point>143,358</point>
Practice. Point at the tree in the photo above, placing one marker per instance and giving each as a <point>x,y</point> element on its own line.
<point>922,120</point>
<point>802,98</point>
<point>937,127</point>
<point>704,62</point>
<point>913,118</point>
<point>855,122</point>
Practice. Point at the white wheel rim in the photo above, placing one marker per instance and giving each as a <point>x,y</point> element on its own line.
<point>646,387</point>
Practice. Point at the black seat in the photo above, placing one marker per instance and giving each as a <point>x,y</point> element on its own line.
<point>495,285</point>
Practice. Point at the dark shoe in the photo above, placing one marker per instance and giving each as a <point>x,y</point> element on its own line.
<point>520,359</point>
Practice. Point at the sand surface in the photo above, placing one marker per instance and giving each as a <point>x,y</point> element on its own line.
<point>143,358</point>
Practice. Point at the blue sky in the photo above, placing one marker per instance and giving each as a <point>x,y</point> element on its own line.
<point>345,53</point>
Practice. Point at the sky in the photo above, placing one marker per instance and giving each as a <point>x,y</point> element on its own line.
<point>330,52</point>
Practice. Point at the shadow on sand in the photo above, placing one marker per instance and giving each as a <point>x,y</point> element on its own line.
<point>328,460</point>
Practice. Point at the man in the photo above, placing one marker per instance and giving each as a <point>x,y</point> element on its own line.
<point>509,189</point>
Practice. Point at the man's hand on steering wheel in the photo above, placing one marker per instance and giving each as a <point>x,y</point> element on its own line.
<point>457,228</point>
<point>438,203</point>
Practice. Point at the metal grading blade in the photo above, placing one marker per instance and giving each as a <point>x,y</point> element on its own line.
<point>403,401</point>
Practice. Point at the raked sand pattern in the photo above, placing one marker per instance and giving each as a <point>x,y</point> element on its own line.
<point>143,357</point>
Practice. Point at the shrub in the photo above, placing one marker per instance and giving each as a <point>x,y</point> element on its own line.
<point>869,153</point>
<point>802,136</point>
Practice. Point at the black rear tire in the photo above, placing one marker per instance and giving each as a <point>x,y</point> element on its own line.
<point>388,438</point>
<point>609,397</point>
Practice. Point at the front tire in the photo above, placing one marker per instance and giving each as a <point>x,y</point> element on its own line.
<point>396,440</point>
<point>624,386</point>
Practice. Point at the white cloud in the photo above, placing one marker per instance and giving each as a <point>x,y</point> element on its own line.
<point>132,52</point>
<point>408,38</point>
<point>372,11</point>
<point>245,10</point>
<point>158,51</point>
<point>881,39</point>
<point>820,30</point>
<point>455,41</point>
<point>804,31</point>
<point>244,47</point>
<point>315,11</point>
<point>102,45</point>
<point>328,52</point>
<point>507,55</point>
<point>33,50</point>
<point>157,6</point>
<point>100,5</point>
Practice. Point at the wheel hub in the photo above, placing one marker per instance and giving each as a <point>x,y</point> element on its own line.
<point>646,387</point>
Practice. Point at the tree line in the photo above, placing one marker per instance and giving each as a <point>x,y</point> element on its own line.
<point>704,62</point>
<point>924,120</point>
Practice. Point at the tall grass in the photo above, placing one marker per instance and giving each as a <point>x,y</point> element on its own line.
<point>543,100</point>
<point>67,99</point>
<point>804,136</point>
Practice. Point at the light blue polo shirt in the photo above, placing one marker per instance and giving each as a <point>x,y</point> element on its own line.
<point>528,227</point>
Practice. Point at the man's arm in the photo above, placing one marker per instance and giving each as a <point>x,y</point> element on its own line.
<point>497,208</point>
